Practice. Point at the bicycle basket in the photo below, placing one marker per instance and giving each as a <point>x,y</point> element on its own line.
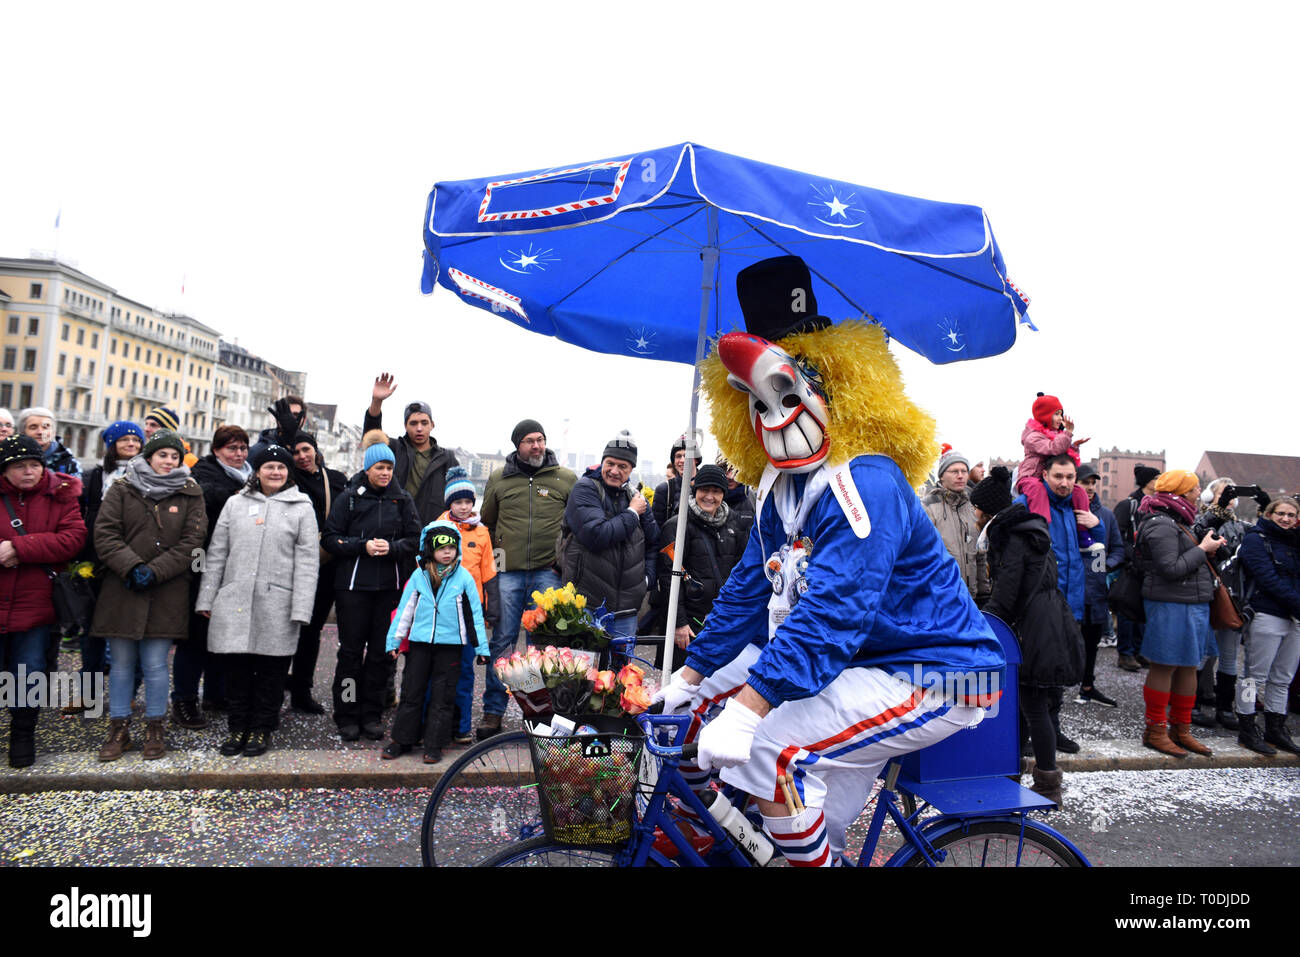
<point>586,782</point>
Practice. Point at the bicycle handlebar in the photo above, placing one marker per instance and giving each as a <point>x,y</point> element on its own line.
<point>652,721</point>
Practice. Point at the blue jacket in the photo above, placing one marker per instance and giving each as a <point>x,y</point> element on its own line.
<point>448,615</point>
<point>1064,529</point>
<point>1275,579</point>
<point>1095,590</point>
<point>893,600</point>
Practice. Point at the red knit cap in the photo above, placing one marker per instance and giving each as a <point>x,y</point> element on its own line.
<point>1045,406</point>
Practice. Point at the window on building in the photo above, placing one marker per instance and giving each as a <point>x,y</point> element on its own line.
<point>25,396</point>
<point>90,370</point>
<point>67,331</point>
<point>94,340</point>
<point>119,410</point>
<point>29,360</point>
<point>187,393</point>
<point>121,380</point>
<point>63,364</point>
<point>76,365</point>
<point>137,353</point>
<point>13,325</point>
<point>11,358</point>
<point>58,398</point>
<point>176,390</point>
<point>81,337</point>
<point>1105,466</point>
<point>135,379</point>
<point>112,347</point>
<point>37,291</point>
<point>33,326</point>
<point>109,381</point>
<point>85,406</point>
<point>106,407</point>
<point>155,383</point>
<point>169,363</point>
<point>148,356</point>
<point>6,395</point>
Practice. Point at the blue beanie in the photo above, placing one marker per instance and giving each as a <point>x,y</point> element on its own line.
<point>122,428</point>
<point>378,452</point>
<point>458,485</point>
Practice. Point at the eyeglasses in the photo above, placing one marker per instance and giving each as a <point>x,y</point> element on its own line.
<point>236,448</point>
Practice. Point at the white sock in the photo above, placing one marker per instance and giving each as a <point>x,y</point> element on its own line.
<point>802,838</point>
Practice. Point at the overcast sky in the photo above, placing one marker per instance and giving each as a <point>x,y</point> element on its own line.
<point>1135,160</point>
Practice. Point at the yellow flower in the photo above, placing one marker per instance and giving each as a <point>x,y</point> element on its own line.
<point>580,601</point>
<point>537,597</point>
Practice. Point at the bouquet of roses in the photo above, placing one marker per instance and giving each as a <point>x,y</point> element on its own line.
<point>561,613</point>
<point>623,693</point>
<point>547,681</point>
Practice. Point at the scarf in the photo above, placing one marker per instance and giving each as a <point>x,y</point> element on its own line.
<point>150,484</point>
<point>473,521</point>
<point>111,477</point>
<point>241,475</point>
<point>716,520</point>
<point>1170,504</point>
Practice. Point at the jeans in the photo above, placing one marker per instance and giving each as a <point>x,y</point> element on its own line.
<point>1129,640</point>
<point>465,690</point>
<point>1229,643</point>
<point>1272,654</point>
<point>152,654</point>
<point>516,590</point>
<point>25,648</point>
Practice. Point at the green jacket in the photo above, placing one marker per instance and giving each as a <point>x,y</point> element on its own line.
<point>523,512</point>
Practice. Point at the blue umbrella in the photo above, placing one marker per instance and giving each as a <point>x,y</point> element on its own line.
<point>637,255</point>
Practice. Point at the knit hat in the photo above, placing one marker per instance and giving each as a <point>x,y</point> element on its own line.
<point>377,453</point>
<point>120,429</point>
<point>991,495</point>
<point>164,439</point>
<point>165,417</point>
<point>1045,406</point>
<point>1144,474</point>
<point>950,459</point>
<point>526,427</point>
<point>621,447</point>
<point>19,447</point>
<point>307,437</point>
<point>709,476</point>
<point>274,453</point>
<point>415,408</point>
<point>680,446</point>
<point>1086,472</point>
<point>1177,481</point>
<point>458,485</point>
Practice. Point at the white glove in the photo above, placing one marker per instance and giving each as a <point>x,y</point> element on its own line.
<point>675,695</point>
<point>725,741</point>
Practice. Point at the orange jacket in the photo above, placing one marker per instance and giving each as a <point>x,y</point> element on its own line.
<point>476,550</point>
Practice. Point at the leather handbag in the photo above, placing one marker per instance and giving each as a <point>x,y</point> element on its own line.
<point>73,597</point>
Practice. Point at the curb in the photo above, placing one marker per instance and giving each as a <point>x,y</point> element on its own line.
<point>205,770</point>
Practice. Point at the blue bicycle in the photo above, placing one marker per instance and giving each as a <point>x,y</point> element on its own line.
<point>982,818</point>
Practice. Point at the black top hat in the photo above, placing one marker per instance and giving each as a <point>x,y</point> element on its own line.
<point>776,297</point>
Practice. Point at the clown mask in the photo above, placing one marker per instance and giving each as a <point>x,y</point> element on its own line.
<point>787,410</point>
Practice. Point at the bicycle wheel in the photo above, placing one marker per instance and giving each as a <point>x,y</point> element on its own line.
<point>485,801</point>
<point>540,852</point>
<point>994,844</point>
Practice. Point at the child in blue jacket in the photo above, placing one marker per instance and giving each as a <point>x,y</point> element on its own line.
<point>438,615</point>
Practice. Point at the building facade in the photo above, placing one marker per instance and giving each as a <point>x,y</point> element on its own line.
<point>74,344</point>
<point>1115,466</point>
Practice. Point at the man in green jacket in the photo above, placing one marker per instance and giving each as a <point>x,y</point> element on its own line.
<point>522,508</point>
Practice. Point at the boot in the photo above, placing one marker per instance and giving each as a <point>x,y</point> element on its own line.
<point>491,725</point>
<point>1225,691</point>
<point>1048,784</point>
<point>154,746</point>
<point>22,737</point>
<point>1181,735</point>
<point>1128,663</point>
<point>119,739</point>
<point>1157,738</point>
<point>1275,732</point>
<point>258,742</point>
<point>1201,718</point>
<point>1249,735</point>
<point>186,714</point>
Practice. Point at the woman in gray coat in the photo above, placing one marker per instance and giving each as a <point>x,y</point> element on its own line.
<point>259,585</point>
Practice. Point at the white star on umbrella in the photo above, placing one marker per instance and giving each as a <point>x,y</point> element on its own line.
<point>523,262</point>
<point>641,343</point>
<point>837,208</point>
<point>952,336</point>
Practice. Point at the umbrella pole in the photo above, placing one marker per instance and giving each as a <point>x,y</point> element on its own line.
<point>708,279</point>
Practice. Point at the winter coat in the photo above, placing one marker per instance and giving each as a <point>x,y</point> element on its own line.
<point>314,485</point>
<point>217,485</point>
<point>1174,567</point>
<point>428,497</point>
<point>607,547</point>
<point>478,559</point>
<point>1040,445</point>
<point>1275,578</point>
<point>92,497</point>
<point>1127,520</point>
<point>741,501</point>
<point>1022,564</point>
<point>166,535</point>
<point>361,513</point>
<point>668,495</point>
<point>259,575</point>
<point>55,533</point>
<point>954,517</point>
<point>59,458</point>
<point>449,614</point>
<point>1096,610</point>
<point>707,559</point>
<point>892,600</point>
<point>523,512</point>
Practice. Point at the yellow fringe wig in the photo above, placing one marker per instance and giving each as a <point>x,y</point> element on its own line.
<point>869,412</point>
